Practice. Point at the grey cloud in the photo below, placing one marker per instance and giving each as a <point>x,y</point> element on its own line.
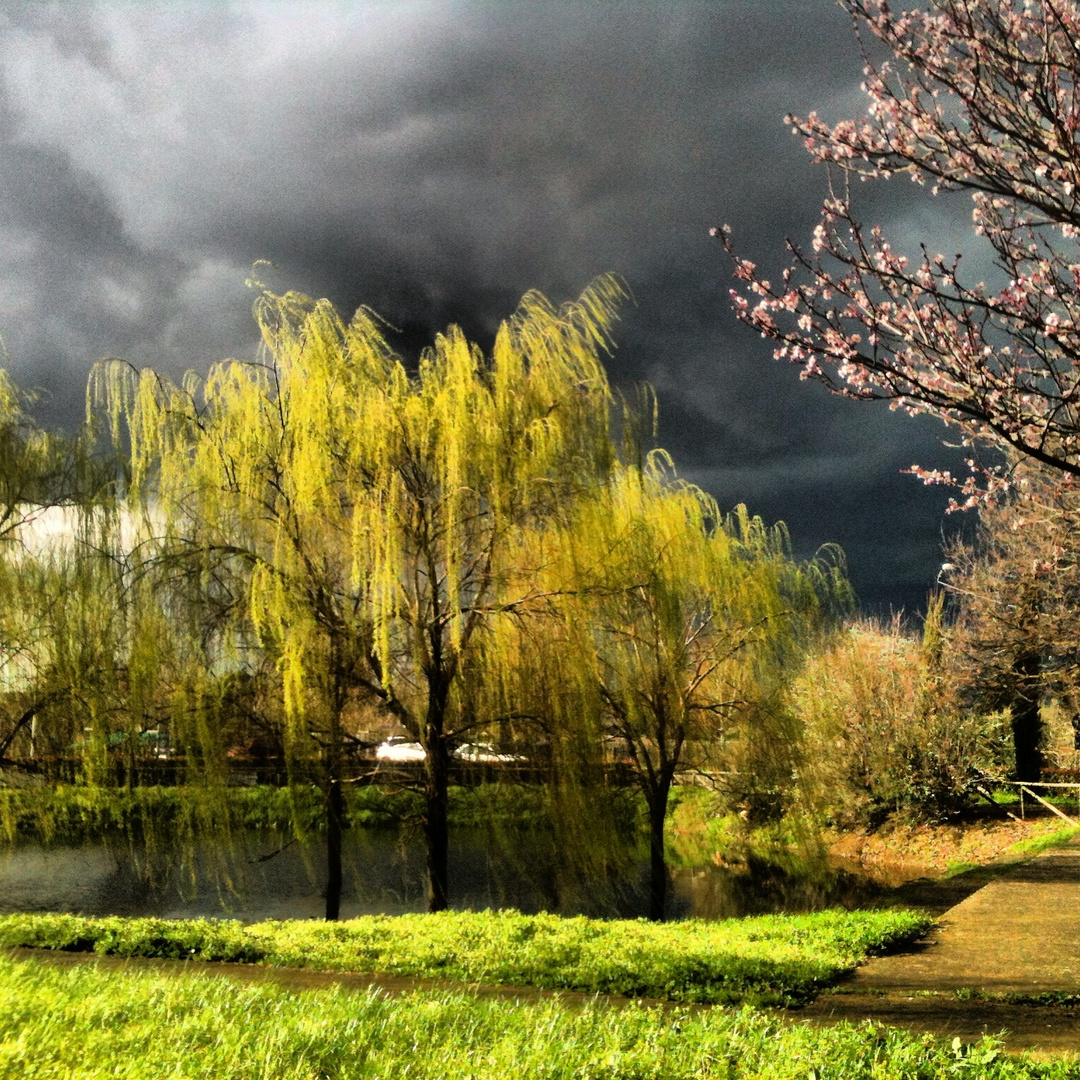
<point>42,192</point>
<point>435,161</point>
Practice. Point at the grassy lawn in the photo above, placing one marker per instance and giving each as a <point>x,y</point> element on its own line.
<point>83,1023</point>
<point>766,960</point>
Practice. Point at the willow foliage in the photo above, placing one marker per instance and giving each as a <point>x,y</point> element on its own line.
<point>671,633</point>
<point>90,660</point>
<point>463,545</point>
<point>683,620</point>
<point>37,469</point>
<point>62,634</point>
<point>371,516</point>
<point>358,493</point>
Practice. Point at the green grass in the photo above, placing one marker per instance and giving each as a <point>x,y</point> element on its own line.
<point>85,1024</point>
<point>954,869</point>
<point>1041,843</point>
<point>766,960</point>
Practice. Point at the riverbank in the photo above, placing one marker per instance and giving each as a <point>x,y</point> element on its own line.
<point>256,852</point>
<point>567,1035</point>
<point>951,848</point>
<point>697,829</point>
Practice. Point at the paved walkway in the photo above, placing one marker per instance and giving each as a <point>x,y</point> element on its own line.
<point>1020,933</point>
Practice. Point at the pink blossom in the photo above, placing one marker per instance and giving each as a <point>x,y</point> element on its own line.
<point>983,98</point>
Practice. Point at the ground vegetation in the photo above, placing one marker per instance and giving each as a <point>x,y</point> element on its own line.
<point>778,959</point>
<point>136,1025</point>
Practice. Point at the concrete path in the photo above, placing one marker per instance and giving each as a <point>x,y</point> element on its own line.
<point>1019,933</point>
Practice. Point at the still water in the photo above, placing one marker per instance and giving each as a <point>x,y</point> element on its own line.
<point>254,878</point>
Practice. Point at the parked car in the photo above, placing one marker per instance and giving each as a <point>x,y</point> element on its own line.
<point>483,752</point>
<point>398,748</point>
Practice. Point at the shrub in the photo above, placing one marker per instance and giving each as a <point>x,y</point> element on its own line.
<point>75,813</point>
<point>881,734</point>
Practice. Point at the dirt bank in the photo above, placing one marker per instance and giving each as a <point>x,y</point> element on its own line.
<point>938,848</point>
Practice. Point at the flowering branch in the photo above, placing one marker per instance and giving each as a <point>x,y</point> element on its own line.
<point>984,96</point>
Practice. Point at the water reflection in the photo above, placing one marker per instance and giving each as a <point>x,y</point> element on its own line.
<point>251,879</point>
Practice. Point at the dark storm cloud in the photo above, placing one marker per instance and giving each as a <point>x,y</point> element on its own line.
<point>435,161</point>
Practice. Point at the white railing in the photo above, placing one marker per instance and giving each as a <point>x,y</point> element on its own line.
<point>1026,786</point>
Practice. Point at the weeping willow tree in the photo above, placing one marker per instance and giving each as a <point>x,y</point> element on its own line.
<point>38,473</point>
<point>85,653</point>
<point>33,597</point>
<point>45,480</point>
<point>107,675</point>
<point>544,698</point>
<point>367,517</point>
<point>38,470</point>
<point>679,627</point>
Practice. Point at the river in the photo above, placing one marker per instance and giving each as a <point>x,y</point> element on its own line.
<point>261,876</point>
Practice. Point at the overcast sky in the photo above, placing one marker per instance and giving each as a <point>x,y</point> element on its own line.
<point>435,161</point>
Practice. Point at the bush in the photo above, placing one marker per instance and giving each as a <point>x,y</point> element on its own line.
<point>76,813</point>
<point>881,734</point>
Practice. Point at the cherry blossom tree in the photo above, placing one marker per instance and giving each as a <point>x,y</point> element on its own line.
<point>982,96</point>
<point>1016,594</point>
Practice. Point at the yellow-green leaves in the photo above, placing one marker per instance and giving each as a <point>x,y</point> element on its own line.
<point>374,513</point>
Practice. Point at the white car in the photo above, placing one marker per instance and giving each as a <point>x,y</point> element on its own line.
<point>398,748</point>
<point>483,752</point>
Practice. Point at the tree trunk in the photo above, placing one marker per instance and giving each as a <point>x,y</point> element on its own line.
<point>334,768</point>
<point>436,823</point>
<point>658,875</point>
<point>1026,720</point>
<point>335,813</point>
